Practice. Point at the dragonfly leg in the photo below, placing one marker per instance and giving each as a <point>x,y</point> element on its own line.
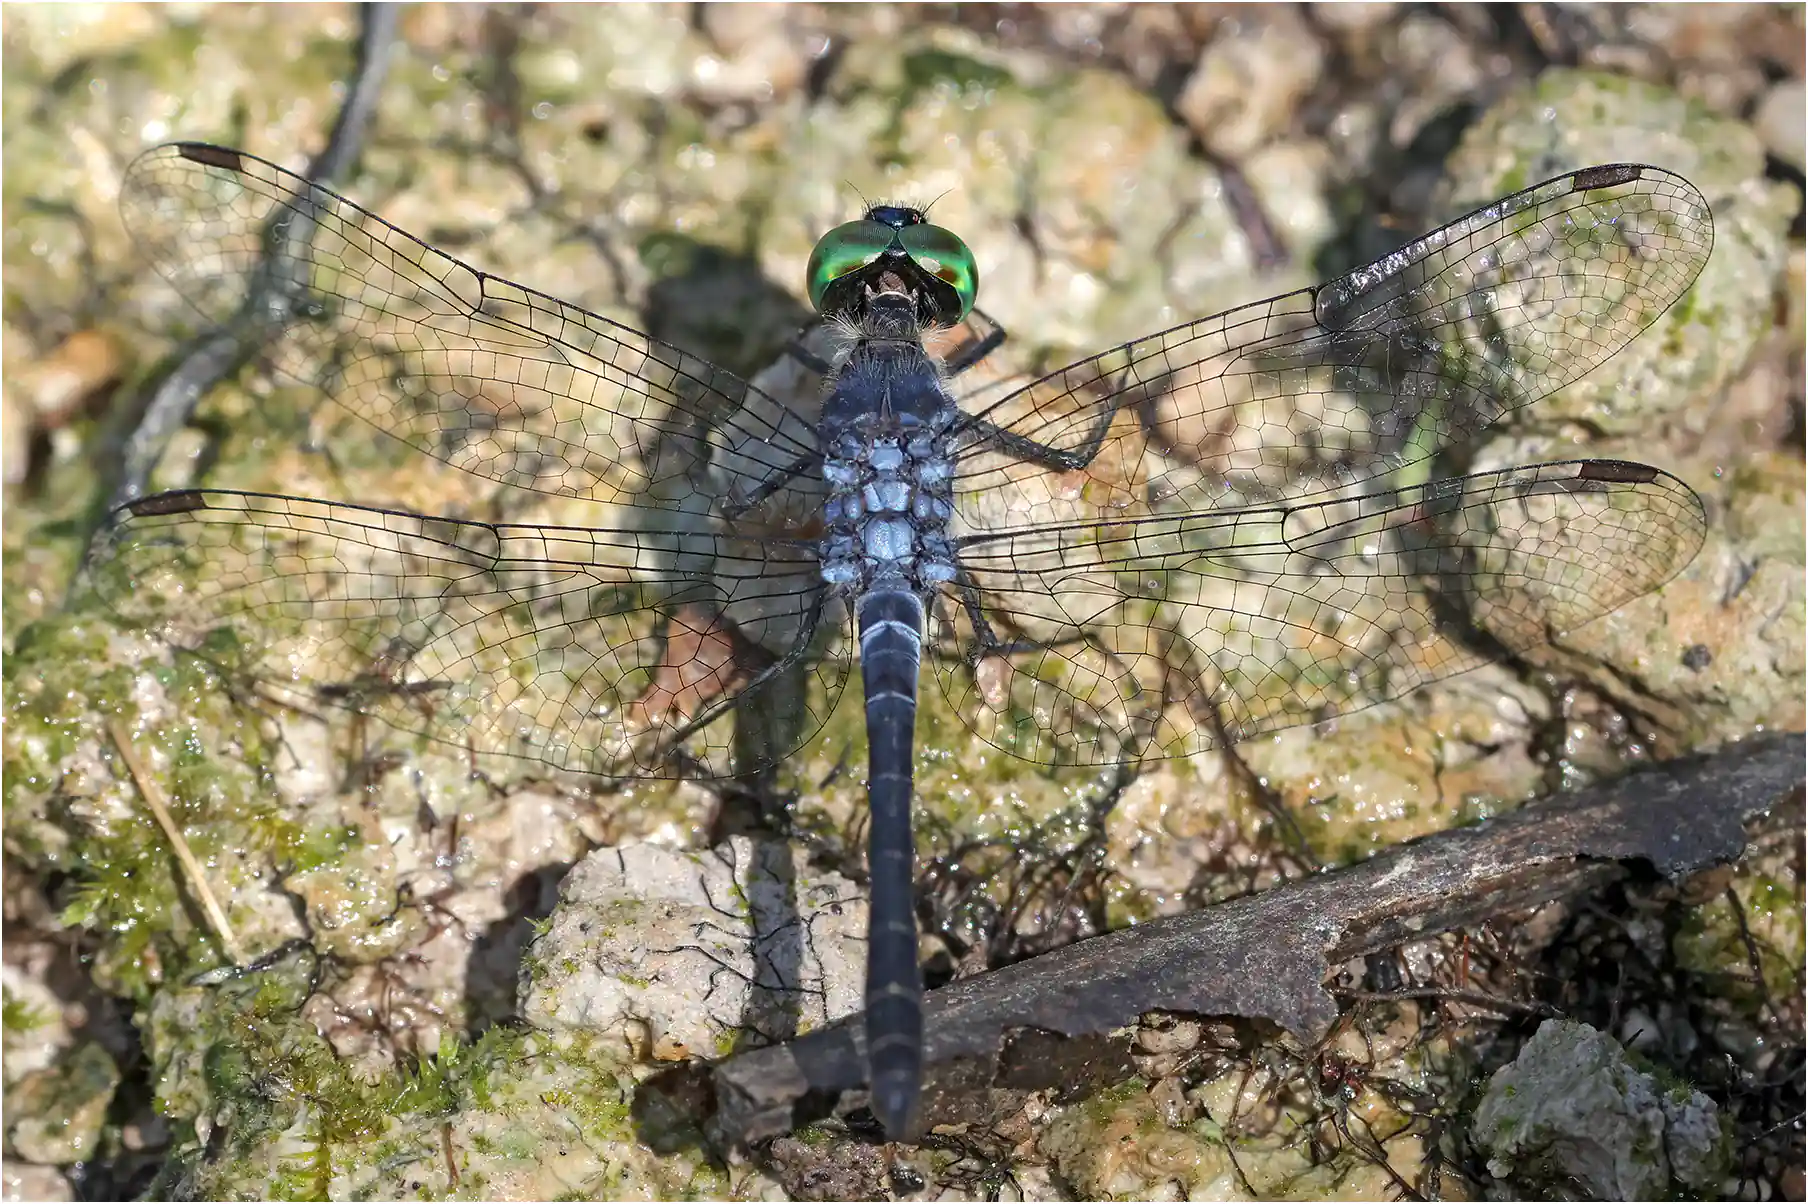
<point>986,345</point>
<point>803,355</point>
<point>1060,459</point>
<point>987,642</point>
<point>792,656</point>
<point>732,510</point>
<point>985,637</point>
<point>1065,459</point>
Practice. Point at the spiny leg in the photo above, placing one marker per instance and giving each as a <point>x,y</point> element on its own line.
<point>792,656</point>
<point>732,510</point>
<point>979,349</point>
<point>1023,447</point>
<point>798,351</point>
<point>987,643</point>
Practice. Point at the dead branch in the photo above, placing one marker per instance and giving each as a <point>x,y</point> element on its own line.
<point>1047,1021</point>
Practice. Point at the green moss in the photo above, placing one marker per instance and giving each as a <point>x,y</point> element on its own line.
<point>930,68</point>
<point>306,848</point>
<point>268,1070</point>
<point>1126,906</point>
<point>1712,941</point>
<point>69,679</point>
<point>18,1018</point>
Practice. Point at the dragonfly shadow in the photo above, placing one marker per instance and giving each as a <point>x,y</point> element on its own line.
<point>670,1109</point>
<point>493,969</point>
<point>718,304</point>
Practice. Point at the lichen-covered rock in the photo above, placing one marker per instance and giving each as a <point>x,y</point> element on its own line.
<point>54,1115</point>
<point>1116,1145</point>
<point>262,1107</point>
<point>1233,1133</point>
<point>1573,1107</point>
<point>35,1031</point>
<point>1249,82</point>
<point>353,909</point>
<point>72,806</point>
<point>28,1181</point>
<point>689,954</point>
<point>1448,755</point>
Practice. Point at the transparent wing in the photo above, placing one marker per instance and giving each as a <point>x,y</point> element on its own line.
<point>1169,635</point>
<point>599,651</point>
<point>486,375</point>
<point>1362,375</point>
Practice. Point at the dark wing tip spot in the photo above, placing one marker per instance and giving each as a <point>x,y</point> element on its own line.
<point>1606,176</point>
<point>212,156</point>
<point>1620,472</point>
<point>177,501</point>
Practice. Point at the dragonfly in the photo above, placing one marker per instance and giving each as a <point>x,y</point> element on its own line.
<point>1219,530</point>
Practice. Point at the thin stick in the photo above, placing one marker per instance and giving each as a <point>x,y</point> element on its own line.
<point>1474,998</point>
<point>153,797</point>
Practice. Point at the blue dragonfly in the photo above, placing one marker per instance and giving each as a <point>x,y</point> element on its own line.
<point>1216,531</point>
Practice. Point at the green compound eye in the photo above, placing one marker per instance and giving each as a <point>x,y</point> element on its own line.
<point>846,248</point>
<point>937,252</point>
<point>944,256</point>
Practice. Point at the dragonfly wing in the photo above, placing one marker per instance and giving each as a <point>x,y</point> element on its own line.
<point>1329,386</point>
<point>586,649</point>
<point>1168,635</point>
<point>481,373</point>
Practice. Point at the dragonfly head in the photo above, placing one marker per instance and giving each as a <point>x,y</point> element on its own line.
<point>892,251</point>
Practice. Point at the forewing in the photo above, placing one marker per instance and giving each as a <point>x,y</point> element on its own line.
<point>599,651</point>
<point>1166,636</point>
<point>1366,373</point>
<point>486,375</point>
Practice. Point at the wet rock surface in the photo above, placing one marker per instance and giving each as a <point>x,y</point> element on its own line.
<point>692,954</point>
<point>55,1114</point>
<point>1115,170</point>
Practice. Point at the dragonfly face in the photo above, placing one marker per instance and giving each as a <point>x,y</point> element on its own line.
<point>893,250</point>
<point>1200,536</point>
